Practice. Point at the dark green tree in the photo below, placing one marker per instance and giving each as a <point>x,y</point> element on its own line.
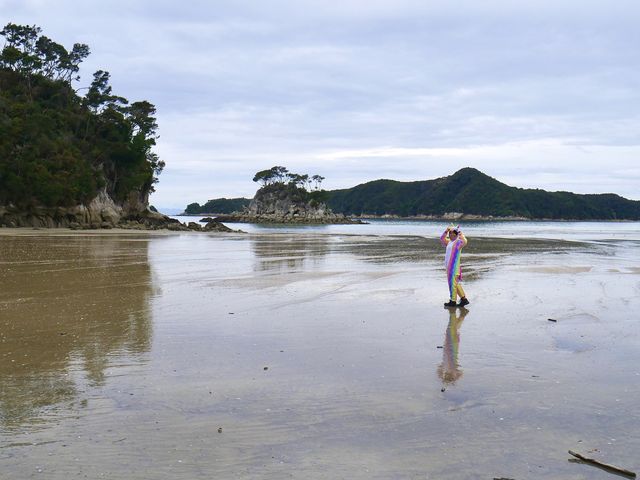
<point>99,96</point>
<point>280,173</point>
<point>264,177</point>
<point>317,180</point>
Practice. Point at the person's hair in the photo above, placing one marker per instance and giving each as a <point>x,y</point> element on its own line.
<point>455,231</point>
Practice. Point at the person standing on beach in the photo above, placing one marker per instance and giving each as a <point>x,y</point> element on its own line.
<point>455,241</point>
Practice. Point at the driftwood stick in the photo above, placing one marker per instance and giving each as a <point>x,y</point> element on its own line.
<point>605,466</point>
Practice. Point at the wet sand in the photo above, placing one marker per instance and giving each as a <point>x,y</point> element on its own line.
<point>137,355</point>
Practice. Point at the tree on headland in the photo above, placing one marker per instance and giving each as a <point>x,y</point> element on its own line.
<point>281,176</point>
<point>99,97</point>
<point>58,148</point>
<point>280,173</point>
<point>273,175</point>
<point>29,54</point>
<point>264,177</point>
<point>317,180</point>
<point>298,180</point>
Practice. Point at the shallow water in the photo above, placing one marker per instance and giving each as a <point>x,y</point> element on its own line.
<point>309,355</point>
<point>555,230</point>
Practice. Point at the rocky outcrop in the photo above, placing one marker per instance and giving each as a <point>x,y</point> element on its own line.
<point>215,226</point>
<point>331,218</point>
<point>286,204</point>
<point>101,213</point>
<point>162,222</point>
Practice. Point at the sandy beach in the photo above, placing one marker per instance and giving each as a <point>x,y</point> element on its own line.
<point>317,354</point>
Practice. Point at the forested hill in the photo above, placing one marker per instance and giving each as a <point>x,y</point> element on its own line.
<point>59,149</point>
<point>471,192</point>
<point>218,205</point>
<point>467,192</point>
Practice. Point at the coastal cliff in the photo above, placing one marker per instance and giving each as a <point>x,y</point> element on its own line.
<point>101,212</point>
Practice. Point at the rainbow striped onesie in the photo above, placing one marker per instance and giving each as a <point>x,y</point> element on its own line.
<point>452,263</point>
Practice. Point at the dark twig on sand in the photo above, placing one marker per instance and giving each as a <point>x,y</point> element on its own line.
<point>604,466</point>
<point>552,320</point>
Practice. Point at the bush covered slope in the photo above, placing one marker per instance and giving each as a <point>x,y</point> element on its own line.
<point>218,205</point>
<point>57,148</point>
<point>471,192</point>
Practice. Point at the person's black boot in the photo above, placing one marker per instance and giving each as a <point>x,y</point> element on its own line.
<point>463,302</point>
<point>451,303</point>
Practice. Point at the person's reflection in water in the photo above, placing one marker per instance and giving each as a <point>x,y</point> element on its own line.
<point>449,370</point>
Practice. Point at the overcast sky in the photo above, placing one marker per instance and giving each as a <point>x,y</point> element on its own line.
<point>537,93</point>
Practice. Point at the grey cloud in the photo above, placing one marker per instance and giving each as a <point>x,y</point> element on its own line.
<point>242,85</point>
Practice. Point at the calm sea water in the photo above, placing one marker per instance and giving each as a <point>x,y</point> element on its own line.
<point>502,229</point>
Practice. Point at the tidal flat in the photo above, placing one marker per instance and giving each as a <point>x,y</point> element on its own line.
<point>317,354</point>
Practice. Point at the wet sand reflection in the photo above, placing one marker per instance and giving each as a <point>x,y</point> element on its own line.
<point>449,370</point>
<point>70,308</point>
<point>278,253</point>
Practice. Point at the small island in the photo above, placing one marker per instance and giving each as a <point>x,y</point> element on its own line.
<point>289,198</point>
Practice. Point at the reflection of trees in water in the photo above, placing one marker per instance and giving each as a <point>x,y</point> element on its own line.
<point>67,304</point>
<point>417,250</point>
<point>294,251</point>
<point>480,256</point>
<point>288,252</point>
<point>449,370</point>
<point>390,249</point>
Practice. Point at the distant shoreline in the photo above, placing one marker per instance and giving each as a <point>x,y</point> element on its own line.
<point>26,231</point>
<point>453,218</point>
<point>489,218</point>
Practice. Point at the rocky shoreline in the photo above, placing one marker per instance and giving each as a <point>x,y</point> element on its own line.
<point>162,222</point>
<point>451,216</point>
<point>330,219</point>
<point>101,213</point>
<point>460,217</point>
<point>146,221</point>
